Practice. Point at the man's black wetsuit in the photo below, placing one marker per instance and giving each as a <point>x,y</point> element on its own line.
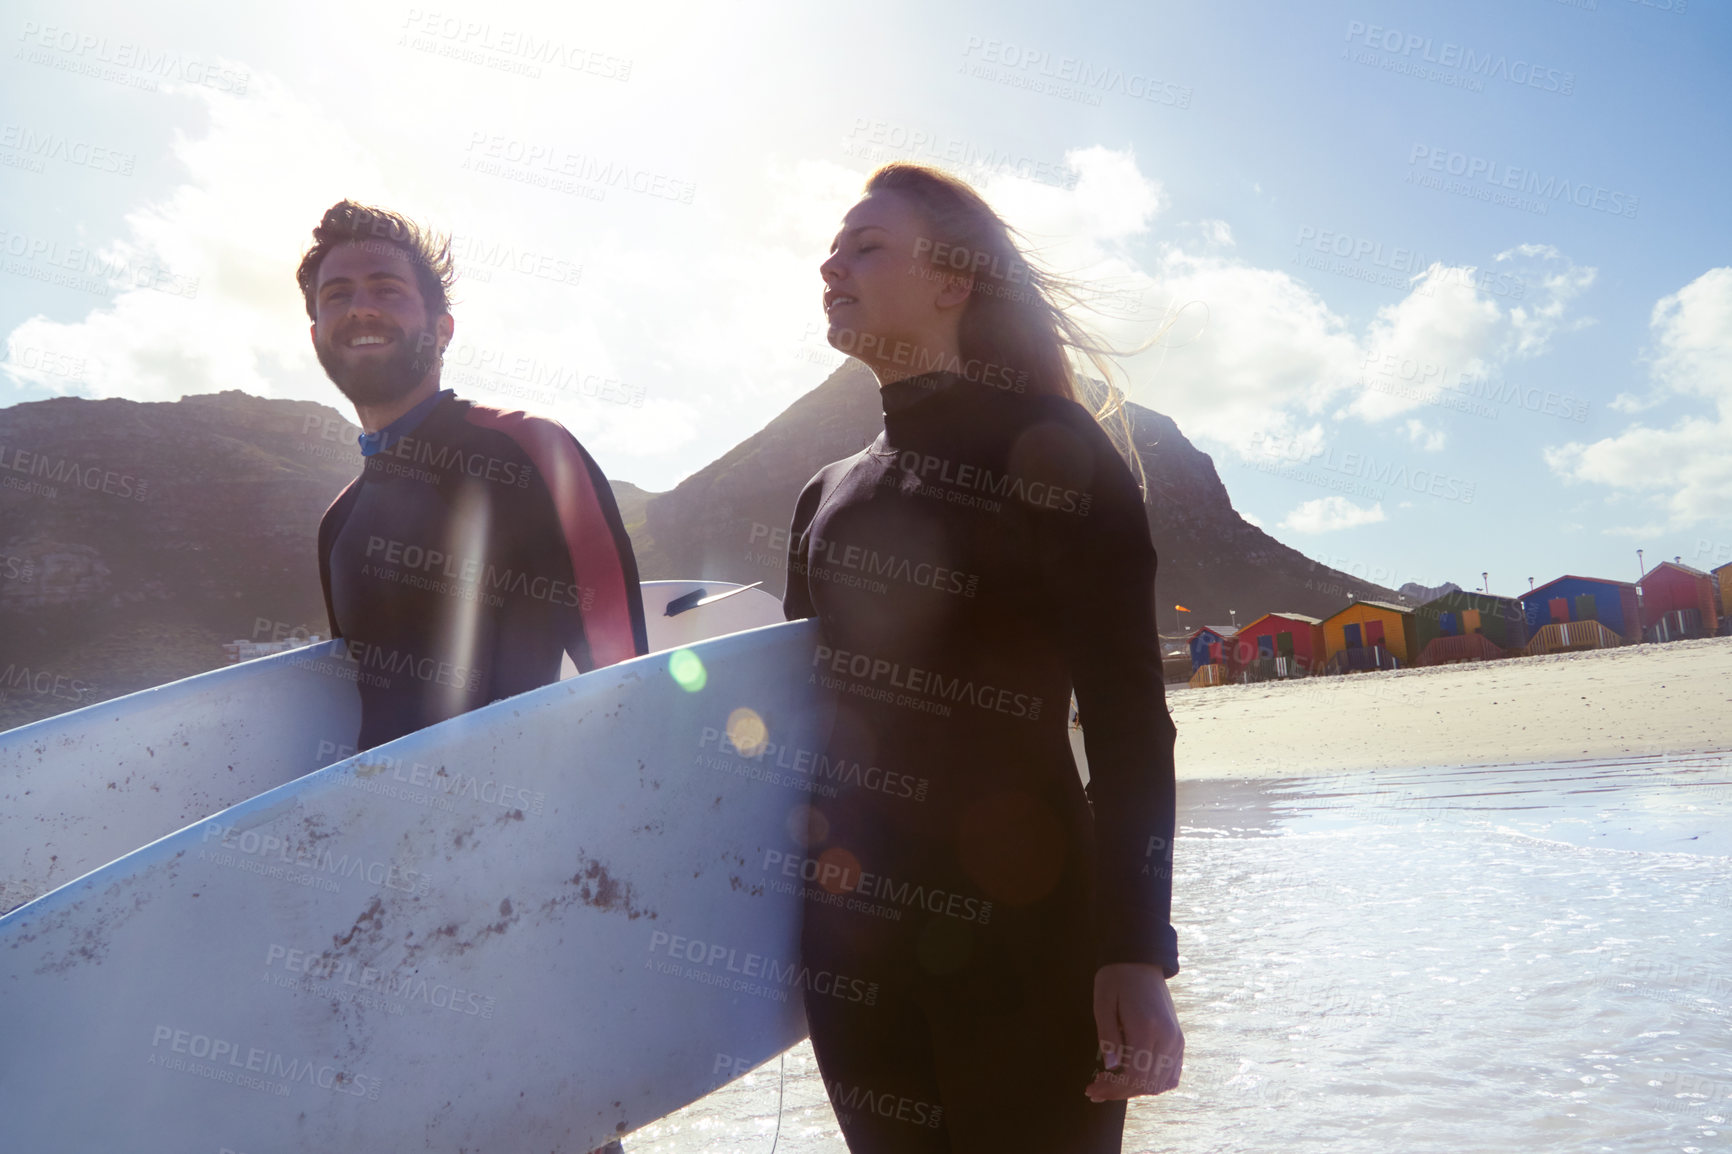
<point>476,547</point>
<point>985,555</point>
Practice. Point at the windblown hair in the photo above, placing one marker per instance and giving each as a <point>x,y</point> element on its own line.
<point>1015,316</point>
<point>347,222</point>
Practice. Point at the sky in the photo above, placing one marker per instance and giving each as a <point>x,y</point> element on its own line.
<point>1445,289</point>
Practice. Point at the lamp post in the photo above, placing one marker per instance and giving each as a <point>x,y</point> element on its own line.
<point>1485,583</point>
<point>1641,570</point>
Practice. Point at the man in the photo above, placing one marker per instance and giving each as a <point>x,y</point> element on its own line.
<point>477,547</point>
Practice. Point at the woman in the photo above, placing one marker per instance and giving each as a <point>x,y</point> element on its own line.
<point>984,556</point>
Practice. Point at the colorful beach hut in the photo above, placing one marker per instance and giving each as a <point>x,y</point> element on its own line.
<point>1368,635</point>
<point>1571,598</point>
<point>1209,646</point>
<point>1723,577</point>
<point>1467,626</point>
<point>1278,645</point>
<point>1677,602</point>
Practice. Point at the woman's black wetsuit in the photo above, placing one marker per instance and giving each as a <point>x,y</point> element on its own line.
<point>983,557</point>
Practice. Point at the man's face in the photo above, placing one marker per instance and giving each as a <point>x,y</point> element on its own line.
<point>371,330</point>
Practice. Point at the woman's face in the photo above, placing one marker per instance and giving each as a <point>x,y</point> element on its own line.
<point>884,299</point>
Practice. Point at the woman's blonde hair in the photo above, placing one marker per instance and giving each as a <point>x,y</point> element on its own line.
<point>1016,317</point>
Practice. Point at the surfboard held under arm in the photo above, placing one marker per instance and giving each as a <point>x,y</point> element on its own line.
<point>80,789</point>
<point>531,927</point>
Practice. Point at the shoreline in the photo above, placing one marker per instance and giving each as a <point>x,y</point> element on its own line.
<point>1632,701</point>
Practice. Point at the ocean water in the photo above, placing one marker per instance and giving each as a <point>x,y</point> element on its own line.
<point>1516,958</point>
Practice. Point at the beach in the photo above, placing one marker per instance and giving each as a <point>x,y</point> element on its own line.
<point>1633,701</point>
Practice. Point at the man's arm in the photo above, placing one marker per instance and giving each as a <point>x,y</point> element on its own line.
<point>605,624</point>
<point>329,526</point>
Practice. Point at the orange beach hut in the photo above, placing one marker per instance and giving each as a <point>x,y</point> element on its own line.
<point>1368,635</point>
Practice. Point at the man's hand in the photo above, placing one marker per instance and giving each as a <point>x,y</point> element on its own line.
<point>1142,1046</point>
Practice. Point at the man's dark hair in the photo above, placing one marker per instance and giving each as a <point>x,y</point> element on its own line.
<point>347,222</point>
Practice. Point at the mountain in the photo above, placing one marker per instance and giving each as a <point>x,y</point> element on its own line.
<point>1419,594</point>
<point>136,539</point>
<point>728,520</point>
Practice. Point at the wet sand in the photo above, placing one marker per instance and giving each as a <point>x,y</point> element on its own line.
<point>1632,701</point>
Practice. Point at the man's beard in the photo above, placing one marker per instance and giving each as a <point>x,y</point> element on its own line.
<point>376,380</point>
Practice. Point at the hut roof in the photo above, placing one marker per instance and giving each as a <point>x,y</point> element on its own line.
<point>1385,605</point>
<point>1300,617</point>
<point>1389,605</point>
<point>1468,595</point>
<point>1672,565</point>
<point>1535,592</point>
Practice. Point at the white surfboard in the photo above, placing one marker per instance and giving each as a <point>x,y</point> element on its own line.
<point>532,927</point>
<point>80,789</point>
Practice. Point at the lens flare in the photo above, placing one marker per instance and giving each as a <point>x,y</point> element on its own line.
<point>687,669</point>
<point>747,731</point>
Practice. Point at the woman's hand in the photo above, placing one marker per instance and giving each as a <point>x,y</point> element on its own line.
<point>1141,1043</point>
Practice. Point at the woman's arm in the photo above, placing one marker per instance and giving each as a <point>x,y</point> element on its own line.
<point>797,600</point>
<point>1106,586</point>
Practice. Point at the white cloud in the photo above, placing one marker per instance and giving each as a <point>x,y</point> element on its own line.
<point>1684,471</point>
<point>711,310</point>
<point>255,182</point>
<point>1423,435</point>
<point>1326,514</point>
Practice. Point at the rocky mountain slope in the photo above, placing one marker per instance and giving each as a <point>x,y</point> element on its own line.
<point>136,539</point>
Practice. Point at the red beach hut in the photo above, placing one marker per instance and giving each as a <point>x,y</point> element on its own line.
<point>1278,645</point>
<point>1677,602</point>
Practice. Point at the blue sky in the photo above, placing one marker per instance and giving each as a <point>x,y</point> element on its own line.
<point>1450,285</point>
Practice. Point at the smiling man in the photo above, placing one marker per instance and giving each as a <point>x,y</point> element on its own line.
<point>477,547</point>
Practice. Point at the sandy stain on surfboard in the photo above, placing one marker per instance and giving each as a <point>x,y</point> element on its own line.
<point>87,943</point>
